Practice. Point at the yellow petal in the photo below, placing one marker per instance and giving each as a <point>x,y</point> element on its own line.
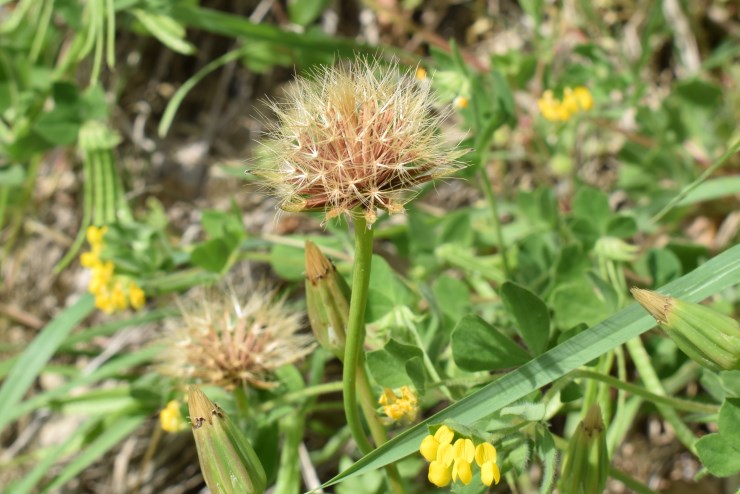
<point>439,474</point>
<point>485,452</point>
<point>428,448</point>
<point>462,470</point>
<point>444,435</point>
<point>464,450</point>
<point>445,454</point>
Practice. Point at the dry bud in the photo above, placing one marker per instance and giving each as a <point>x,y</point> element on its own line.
<point>355,136</point>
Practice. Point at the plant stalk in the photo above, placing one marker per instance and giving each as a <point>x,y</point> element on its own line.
<point>356,329</point>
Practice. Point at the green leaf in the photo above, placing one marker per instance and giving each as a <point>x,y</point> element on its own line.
<point>166,29</point>
<point>531,314</point>
<point>386,291</point>
<point>719,452</point>
<point>715,275</point>
<point>37,354</point>
<point>211,255</point>
<point>417,373</point>
<point>593,206</point>
<point>478,346</point>
<point>388,366</point>
<point>664,266</point>
<point>304,12</point>
<point>577,303</point>
<point>288,262</point>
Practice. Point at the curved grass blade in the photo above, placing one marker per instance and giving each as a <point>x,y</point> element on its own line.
<point>37,355</point>
<point>717,274</point>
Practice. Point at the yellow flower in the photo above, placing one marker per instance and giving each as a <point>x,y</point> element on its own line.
<point>485,457</point>
<point>404,407</point>
<point>574,101</point>
<point>136,296</point>
<point>104,302</point>
<point>452,462</point>
<point>421,74</point>
<point>430,444</point>
<point>95,235</point>
<point>170,418</point>
<point>461,102</point>
<point>583,96</point>
<point>118,297</point>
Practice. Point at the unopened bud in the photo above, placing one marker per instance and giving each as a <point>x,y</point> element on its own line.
<point>587,461</point>
<point>227,460</point>
<point>327,299</point>
<point>709,338</point>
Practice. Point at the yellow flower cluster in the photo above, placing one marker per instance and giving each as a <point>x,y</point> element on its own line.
<point>170,418</point>
<point>574,101</point>
<point>404,407</point>
<point>111,292</point>
<point>452,461</point>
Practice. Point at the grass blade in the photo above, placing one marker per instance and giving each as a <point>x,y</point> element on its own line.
<point>37,355</point>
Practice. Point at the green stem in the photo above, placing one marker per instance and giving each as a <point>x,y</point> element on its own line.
<point>319,389</point>
<point>354,377</point>
<point>367,402</point>
<point>685,191</point>
<point>685,405</point>
<point>491,198</point>
<point>641,360</point>
<point>356,329</point>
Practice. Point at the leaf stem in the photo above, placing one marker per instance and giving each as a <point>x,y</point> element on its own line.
<point>677,403</point>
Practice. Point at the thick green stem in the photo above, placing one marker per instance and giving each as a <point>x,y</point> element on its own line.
<point>367,402</point>
<point>356,329</point>
<point>354,378</point>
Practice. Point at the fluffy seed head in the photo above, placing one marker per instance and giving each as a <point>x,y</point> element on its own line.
<point>224,342</point>
<point>355,136</point>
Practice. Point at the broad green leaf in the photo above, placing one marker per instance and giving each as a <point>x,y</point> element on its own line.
<point>719,452</point>
<point>478,346</point>
<point>593,206</point>
<point>664,266</point>
<point>388,366</point>
<point>386,291</point>
<point>577,303</point>
<point>212,255</point>
<point>37,354</point>
<point>531,314</point>
<point>715,275</point>
<point>288,262</point>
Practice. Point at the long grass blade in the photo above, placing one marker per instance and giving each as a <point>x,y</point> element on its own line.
<point>37,355</point>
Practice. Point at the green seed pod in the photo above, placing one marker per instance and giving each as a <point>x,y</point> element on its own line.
<point>587,461</point>
<point>709,338</point>
<point>227,461</point>
<point>327,298</point>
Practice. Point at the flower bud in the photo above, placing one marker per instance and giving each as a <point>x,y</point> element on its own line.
<point>227,461</point>
<point>709,338</point>
<point>327,298</point>
<point>587,460</point>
